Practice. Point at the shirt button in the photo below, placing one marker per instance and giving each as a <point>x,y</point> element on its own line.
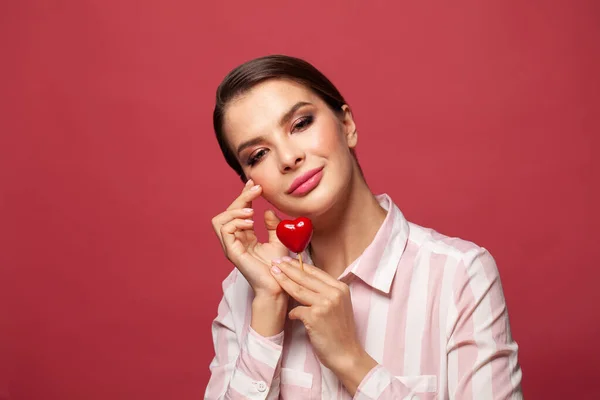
<point>261,386</point>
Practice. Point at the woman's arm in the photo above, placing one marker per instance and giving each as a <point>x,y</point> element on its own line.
<point>481,351</point>
<point>249,367</point>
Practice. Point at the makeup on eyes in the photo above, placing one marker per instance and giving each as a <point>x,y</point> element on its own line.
<point>302,123</point>
<point>255,157</point>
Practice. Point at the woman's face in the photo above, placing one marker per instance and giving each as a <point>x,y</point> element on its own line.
<point>284,136</point>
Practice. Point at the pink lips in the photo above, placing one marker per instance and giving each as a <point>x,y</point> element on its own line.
<point>306,182</point>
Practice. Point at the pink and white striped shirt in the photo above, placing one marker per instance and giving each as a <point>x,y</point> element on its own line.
<point>428,308</point>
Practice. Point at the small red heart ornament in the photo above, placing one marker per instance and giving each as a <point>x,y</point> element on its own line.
<point>296,234</point>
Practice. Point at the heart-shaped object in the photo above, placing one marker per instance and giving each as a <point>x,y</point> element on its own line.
<point>296,234</point>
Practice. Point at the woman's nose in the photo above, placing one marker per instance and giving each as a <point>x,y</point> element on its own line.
<point>291,158</point>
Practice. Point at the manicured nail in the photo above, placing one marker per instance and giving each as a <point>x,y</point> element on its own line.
<point>249,221</point>
<point>286,258</point>
<point>249,182</point>
<point>275,270</point>
<point>247,210</point>
<point>277,261</point>
<point>255,187</point>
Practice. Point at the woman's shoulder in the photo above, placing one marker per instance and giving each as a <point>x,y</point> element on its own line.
<point>461,251</point>
<point>460,262</point>
<point>423,239</point>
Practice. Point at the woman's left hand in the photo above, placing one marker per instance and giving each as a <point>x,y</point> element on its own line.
<point>327,315</point>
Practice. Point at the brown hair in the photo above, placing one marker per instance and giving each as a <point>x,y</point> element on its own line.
<point>244,77</point>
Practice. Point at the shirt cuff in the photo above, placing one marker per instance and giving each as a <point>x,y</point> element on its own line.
<point>373,384</point>
<point>276,340</point>
<point>255,375</point>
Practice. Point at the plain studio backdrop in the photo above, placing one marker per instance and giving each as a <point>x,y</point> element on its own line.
<point>479,118</point>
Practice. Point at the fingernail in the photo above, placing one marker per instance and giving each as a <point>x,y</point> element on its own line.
<point>247,210</point>
<point>248,182</point>
<point>275,270</point>
<point>255,187</point>
<point>277,261</point>
<point>249,221</point>
<point>286,258</point>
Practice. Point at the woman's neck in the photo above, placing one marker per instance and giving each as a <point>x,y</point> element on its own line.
<point>342,234</point>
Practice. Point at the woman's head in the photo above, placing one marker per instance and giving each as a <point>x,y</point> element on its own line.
<point>278,118</point>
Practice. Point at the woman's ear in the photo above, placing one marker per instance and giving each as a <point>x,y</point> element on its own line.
<point>349,127</point>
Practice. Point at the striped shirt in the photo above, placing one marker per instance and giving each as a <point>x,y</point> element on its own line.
<point>428,308</point>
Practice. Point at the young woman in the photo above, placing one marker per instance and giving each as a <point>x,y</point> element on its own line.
<point>384,308</point>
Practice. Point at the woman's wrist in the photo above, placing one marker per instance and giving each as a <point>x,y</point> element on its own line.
<point>268,314</point>
<point>353,370</point>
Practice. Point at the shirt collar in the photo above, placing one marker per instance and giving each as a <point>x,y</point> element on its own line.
<point>377,265</point>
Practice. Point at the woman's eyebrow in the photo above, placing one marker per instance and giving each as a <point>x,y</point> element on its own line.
<point>288,115</point>
<point>250,143</point>
<point>284,119</point>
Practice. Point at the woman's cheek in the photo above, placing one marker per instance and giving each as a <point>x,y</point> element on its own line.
<point>323,140</point>
<point>267,181</point>
<point>259,173</point>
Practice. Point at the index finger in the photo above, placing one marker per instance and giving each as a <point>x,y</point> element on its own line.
<point>315,272</point>
<point>249,193</point>
<point>304,278</point>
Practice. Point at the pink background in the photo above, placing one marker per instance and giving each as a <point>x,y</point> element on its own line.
<point>480,119</point>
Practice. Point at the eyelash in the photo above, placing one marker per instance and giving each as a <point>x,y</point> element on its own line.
<point>256,157</point>
<point>303,123</point>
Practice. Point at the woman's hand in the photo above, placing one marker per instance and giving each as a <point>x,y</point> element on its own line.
<point>235,229</point>
<point>328,317</point>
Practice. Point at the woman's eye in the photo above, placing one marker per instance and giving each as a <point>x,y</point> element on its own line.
<point>255,157</point>
<point>303,123</point>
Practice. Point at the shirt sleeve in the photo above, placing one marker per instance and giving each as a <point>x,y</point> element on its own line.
<point>482,356</point>
<point>245,368</point>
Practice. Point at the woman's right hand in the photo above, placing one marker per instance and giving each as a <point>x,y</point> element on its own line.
<point>235,229</point>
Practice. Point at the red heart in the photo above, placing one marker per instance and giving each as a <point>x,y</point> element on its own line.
<point>296,234</point>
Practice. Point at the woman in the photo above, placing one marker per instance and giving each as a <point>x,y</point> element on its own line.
<point>384,309</point>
